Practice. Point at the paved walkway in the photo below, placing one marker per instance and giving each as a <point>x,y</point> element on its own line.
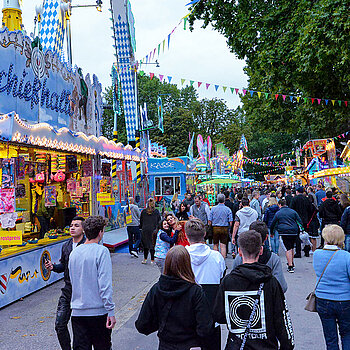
<point>29,324</point>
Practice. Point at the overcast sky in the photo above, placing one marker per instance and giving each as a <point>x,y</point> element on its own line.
<point>201,55</point>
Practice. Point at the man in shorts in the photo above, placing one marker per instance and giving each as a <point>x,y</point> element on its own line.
<point>220,219</point>
<point>287,223</point>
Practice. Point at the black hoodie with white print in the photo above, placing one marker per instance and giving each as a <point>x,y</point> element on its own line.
<point>234,302</point>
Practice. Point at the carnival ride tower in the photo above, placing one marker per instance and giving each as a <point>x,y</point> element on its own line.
<point>12,15</point>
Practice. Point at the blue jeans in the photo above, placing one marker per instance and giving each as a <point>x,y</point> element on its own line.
<point>275,242</point>
<point>334,315</point>
<point>134,237</point>
<point>347,243</point>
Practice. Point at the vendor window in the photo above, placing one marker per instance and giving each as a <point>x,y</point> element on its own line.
<point>167,185</point>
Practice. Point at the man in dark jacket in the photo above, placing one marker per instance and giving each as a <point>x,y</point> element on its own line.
<point>330,211</point>
<point>250,287</point>
<point>302,206</point>
<point>64,308</point>
<point>287,223</point>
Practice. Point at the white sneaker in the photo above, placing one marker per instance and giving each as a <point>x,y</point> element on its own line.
<point>144,261</point>
<point>133,253</point>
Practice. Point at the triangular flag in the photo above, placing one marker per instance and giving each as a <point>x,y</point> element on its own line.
<point>154,52</point>
<point>199,84</point>
<point>191,82</point>
<point>232,89</point>
<point>333,101</point>
<point>244,92</point>
<point>158,49</point>
<point>251,93</point>
<point>216,87</point>
<point>339,102</point>
<point>224,88</point>
<point>298,98</point>
<point>319,101</point>
<point>284,97</point>
<point>305,99</point>
<point>291,98</point>
<point>185,22</point>
<point>163,45</point>
<point>182,81</point>
<point>151,75</point>
<point>169,40</point>
<point>346,103</point>
<point>236,91</point>
<point>326,101</point>
<point>142,73</point>
<point>259,94</point>
<point>169,79</point>
<point>312,100</point>
<point>207,85</point>
<point>266,95</point>
<point>161,76</point>
<point>146,58</point>
<point>276,96</point>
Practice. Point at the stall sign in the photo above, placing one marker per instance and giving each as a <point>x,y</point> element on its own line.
<point>24,274</point>
<point>37,85</point>
<point>104,197</point>
<point>317,147</point>
<point>110,202</point>
<point>10,238</point>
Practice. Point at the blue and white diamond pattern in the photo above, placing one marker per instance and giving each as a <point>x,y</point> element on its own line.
<point>127,77</point>
<point>52,27</point>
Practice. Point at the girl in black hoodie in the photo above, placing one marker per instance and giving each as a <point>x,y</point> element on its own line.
<point>176,307</point>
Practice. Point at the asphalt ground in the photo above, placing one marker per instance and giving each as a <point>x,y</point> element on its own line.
<point>29,323</point>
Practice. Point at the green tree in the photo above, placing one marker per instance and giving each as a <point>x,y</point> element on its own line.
<point>298,48</point>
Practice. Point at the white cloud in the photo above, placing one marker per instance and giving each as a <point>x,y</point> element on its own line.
<point>201,55</point>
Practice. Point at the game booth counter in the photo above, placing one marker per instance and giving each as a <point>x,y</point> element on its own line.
<point>47,177</point>
<point>51,153</point>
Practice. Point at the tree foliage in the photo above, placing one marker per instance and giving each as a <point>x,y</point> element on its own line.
<point>298,48</point>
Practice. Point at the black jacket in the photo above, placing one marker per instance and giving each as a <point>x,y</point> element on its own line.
<point>330,212</point>
<point>302,206</point>
<point>63,266</point>
<point>345,221</point>
<point>285,222</point>
<point>236,295</point>
<point>179,311</point>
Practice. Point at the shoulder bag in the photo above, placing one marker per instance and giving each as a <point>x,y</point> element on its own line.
<point>311,298</point>
<point>233,344</point>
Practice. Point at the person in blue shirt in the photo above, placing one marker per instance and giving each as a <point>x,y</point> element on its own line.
<point>220,218</point>
<point>333,289</point>
<point>320,194</point>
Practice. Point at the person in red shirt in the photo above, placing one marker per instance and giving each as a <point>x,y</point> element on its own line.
<point>177,225</point>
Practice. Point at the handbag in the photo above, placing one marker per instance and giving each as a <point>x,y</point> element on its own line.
<point>311,298</point>
<point>234,342</point>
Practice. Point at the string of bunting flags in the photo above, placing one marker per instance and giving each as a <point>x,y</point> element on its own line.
<point>252,93</point>
<point>160,48</point>
<point>264,172</point>
<point>269,164</point>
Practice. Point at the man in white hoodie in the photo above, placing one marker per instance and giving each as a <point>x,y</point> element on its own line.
<point>208,266</point>
<point>244,217</point>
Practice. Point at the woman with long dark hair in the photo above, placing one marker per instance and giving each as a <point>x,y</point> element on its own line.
<point>149,221</point>
<point>176,307</point>
<point>182,214</point>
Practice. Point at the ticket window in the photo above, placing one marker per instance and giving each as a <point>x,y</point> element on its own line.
<point>167,186</point>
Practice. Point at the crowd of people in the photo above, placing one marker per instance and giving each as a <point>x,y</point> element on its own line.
<point>196,293</point>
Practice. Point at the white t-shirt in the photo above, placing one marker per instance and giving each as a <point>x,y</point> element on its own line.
<point>74,245</point>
